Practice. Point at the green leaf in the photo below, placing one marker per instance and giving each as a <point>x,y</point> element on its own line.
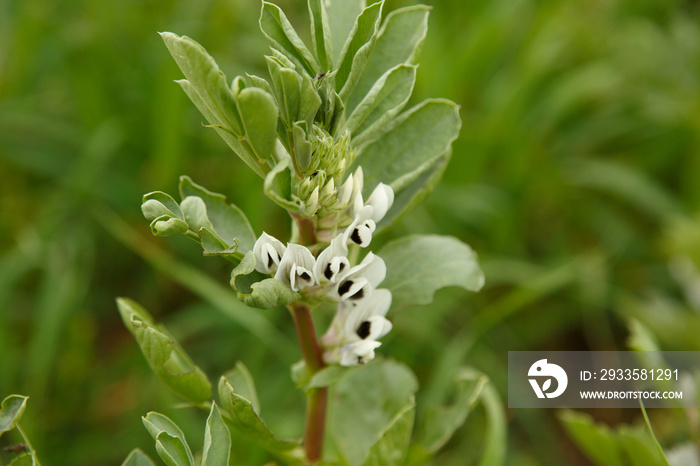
<point>278,186</point>
<point>241,378</point>
<point>279,31</point>
<point>356,50</point>
<point>166,225</point>
<point>259,82</point>
<point>256,292</point>
<point>321,34</point>
<point>328,376</point>
<point>217,440</point>
<point>399,41</point>
<point>287,84</point>
<point>228,221</point>
<point>214,246</point>
<point>415,192</point>
<point>171,444</point>
<point>11,412</point>
<point>365,402</point>
<point>382,103</point>
<point>226,134</point>
<point>419,265</point>
<point>341,18</point>
<point>208,89</point>
<point>206,80</point>
<point>411,145</point>
<point>258,112</point>
<point>441,422</point>
<point>393,443</point>
<point>165,356</point>
<point>240,413</point>
<point>597,441</point>
<point>195,212</point>
<point>302,146</point>
<point>138,458</point>
<point>158,204</point>
<point>309,101</point>
<point>172,451</point>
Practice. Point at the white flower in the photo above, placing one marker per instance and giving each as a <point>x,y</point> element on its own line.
<point>354,332</point>
<point>332,261</point>
<point>357,283</point>
<point>366,216</point>
<point>268,252</point>
<point>381,200</point>
<point>296,267</point>
<point>361,229</point>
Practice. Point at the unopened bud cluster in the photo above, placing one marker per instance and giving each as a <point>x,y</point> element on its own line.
<point>320,189</point>
<point>360,319</point>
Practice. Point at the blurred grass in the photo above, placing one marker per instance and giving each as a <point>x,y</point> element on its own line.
<point>576,178</point>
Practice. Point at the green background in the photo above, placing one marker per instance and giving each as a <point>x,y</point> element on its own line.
<point>576,178</point>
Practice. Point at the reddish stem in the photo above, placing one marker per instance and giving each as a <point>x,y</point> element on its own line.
<point>316,398</point>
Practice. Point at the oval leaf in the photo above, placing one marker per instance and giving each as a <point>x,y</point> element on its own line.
<point>366,403</point>
<point>411,145</point>
<point>419,265</point>
<point>241,415</point>
<point>170,440</point>
<point>138,458</point>
<point>11,412</point>
<point>258,112</point>
<point>392,445</point>
<point>217,440</point>
<point>277,28</point>
<point>165,356</point>
<point>399,41</point>
<point>228,221</point>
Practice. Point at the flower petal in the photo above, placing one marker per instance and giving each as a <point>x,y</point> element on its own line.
<point>332,261</point>
<point>268,252</point>
<point>296,261</point>
<point>381,199</point>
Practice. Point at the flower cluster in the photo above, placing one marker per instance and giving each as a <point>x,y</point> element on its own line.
<point>360,319</point>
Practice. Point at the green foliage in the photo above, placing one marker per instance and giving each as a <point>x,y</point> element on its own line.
<point>373,413</point>
<point>217,440</point>
<point>165,356</point>
<point>170,440</point>
<point>138,458</point>
<point>442,261</point>
<point>240,412</point>
<point>11,412</point>
<point>634,446</point>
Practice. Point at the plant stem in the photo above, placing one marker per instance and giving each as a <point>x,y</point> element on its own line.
<point>31,449</point>
<point>305,226</point>
<point>316,398</point>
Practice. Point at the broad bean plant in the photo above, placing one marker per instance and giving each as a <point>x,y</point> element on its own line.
<point>329,134</point>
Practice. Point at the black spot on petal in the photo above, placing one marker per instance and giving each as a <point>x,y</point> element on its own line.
<point>363,329</point>
<point>359,295</point>
<point>341,266</point>
<point>355,237</point>
<point>344,287</point>
<point>305,276</point>
<point>270,261</point>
